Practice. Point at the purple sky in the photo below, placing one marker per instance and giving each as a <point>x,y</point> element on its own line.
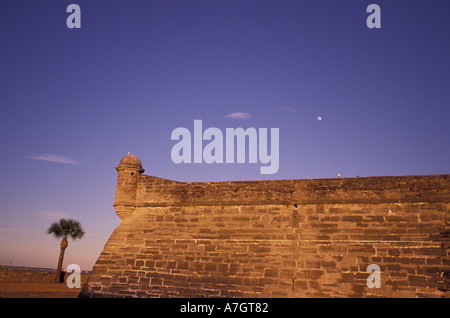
<point>75,101</point>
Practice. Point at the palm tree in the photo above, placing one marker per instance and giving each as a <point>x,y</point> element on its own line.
<point>65,228</point>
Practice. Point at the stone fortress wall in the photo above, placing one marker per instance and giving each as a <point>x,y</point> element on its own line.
<point>287,238</point>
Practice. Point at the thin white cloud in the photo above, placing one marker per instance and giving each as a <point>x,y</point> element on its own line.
<point>53,215</point>
<point>292,110</point>
<point>239,115</point>
<point>54,158</point>
<point>2,229</point>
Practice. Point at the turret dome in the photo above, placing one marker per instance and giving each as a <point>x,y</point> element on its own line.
<point>131,162</point>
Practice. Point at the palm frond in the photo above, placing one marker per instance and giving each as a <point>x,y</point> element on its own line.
<point>66,228</point>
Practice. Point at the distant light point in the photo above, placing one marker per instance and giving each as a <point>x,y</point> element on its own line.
<point>319,118</point>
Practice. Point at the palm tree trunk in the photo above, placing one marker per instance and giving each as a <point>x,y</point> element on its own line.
<point>64,244</point>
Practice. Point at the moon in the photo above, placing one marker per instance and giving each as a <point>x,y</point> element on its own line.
<point>319,118</point>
